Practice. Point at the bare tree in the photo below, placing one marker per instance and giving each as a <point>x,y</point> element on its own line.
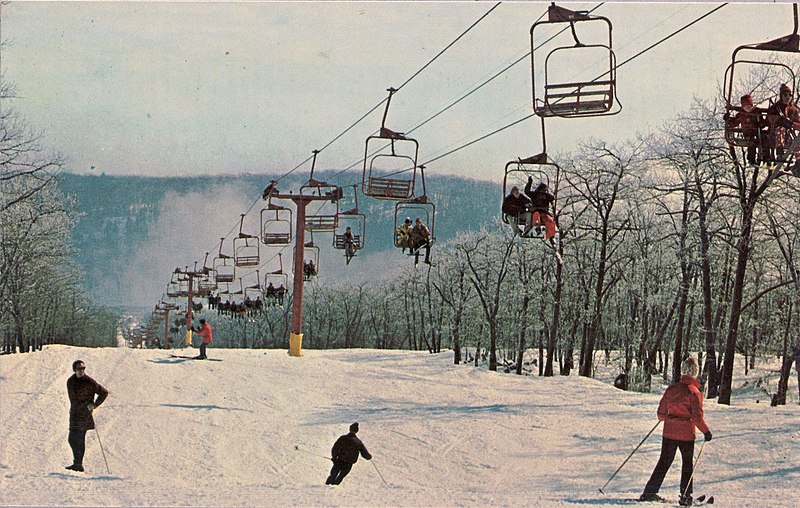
<point>488,262</point>
<point>605,178</point>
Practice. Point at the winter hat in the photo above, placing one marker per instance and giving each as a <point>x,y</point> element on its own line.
<point>354,427</point>
<point>689,367</point>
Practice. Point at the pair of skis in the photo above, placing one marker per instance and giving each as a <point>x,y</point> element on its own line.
<point>698,501</point>
<point>196,358</point>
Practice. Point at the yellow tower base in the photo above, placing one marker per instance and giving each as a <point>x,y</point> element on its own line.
<point>295,344</point>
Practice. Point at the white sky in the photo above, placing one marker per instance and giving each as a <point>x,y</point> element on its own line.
<point>222,88</point>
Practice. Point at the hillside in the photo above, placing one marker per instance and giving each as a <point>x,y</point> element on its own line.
<point>255,428</point>
<point>129,225</point>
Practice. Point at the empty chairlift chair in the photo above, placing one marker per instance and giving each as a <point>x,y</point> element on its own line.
<point>390,163</point>
<point>224,266</point>
<point>325,214</point>
<point>566,83</point>
<point>245,248</point>
<point>276,225</point>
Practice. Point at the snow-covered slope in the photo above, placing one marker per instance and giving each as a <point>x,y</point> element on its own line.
<point>255,430</point>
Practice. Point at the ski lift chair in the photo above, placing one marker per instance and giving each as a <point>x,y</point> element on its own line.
<point>552,94</point>
<point>390,162</point>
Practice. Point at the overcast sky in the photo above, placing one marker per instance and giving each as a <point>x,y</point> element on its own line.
<point>222,88</point>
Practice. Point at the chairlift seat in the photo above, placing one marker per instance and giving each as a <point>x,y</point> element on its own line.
<point>321,222</point>
<point>566,99</point>
<point>340,244</point>
<point>388,187</point>
<point>276,238</point>
<point>224,277</point>
<point>246,260</point>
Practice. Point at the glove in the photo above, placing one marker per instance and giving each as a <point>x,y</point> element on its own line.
<point>707,435</point>
<point>90,406</point>
<point>726,116</point>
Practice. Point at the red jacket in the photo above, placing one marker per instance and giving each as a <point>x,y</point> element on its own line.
<point>205,332</point>
<point>681,409</point>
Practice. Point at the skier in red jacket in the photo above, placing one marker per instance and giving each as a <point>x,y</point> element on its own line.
<point>205,332</point>
<point>681,410</point>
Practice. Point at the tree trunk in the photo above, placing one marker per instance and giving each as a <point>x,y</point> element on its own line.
<point>779,398</point>
<point>552,339</point>
<point>523,327</point>
<point>743,249</point>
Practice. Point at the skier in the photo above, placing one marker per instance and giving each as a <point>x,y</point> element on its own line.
<point>81,390</point>
<point>344,454</point>
<point>205,332</point>
<point>681,410</point>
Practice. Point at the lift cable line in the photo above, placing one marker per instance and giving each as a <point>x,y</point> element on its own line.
<point>448,46</point>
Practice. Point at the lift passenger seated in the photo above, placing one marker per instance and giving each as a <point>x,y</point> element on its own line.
<point>311,265</point>
<point>411,212</point>
<point>590,95</point>
<point>349,235</point>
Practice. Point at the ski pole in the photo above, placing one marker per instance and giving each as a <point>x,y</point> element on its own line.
<point>696,461</point>
<point>379,473</point>
<point>104,452</point>
<point>629,456</point>
<point>297,447</point>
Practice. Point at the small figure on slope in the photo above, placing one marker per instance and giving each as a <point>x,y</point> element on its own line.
<point>207,334</point>
<point>344,454</point>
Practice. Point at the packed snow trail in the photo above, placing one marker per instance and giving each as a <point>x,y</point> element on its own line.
<point>192,433</point>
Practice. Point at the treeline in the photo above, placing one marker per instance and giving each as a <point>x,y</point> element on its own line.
<point>672,246</point>
<point>41,300</point>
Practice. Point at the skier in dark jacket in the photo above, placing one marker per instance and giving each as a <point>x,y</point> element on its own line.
<point>681,410</point>
<point>344,454</point>
<point>541,202</point>
<point>81,390</point>
<point>516,210</point>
